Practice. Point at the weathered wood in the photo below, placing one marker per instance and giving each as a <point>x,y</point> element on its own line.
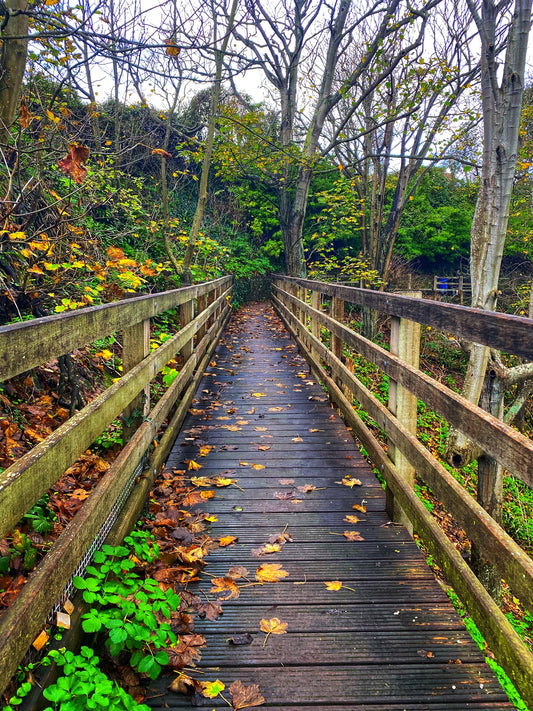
<point>135,347</point>
<point>511,334</point>
<point>497,546</point>
<point>337,312</point>
<point>202,303</point>
<point>186,316</point>
<point>404,343</point>
<point>22,622</point>
<point>25,481</point>
<point>31,343</point>
<point>511,652</point>
<point>512,449</point>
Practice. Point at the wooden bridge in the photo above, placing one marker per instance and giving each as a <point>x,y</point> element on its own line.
<point>364,623</point>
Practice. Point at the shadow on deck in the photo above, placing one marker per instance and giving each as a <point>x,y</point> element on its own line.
<point>388,638</point>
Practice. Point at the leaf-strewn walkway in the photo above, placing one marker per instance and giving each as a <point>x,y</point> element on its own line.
<point>363,623</point>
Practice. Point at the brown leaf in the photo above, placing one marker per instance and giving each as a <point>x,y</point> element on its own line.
<point>351,519</point>
<point>209,610</point>
<point>286,482</point>
<point>184,684</point>
<point>238,571</point>
<point>24,118</point>
<point>226,588</point>
<point>241,639</point>
<point>306,488</point>
<point>243,697</point>
<point>284,495</point>
<point>270,573</point>
<point>348,481</point>
<point>353,536</point>
<point>297,439</point>
<point>186,652</point>
<point>73,163</point>
<point>359,507</point>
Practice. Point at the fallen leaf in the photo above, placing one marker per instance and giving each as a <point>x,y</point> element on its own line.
<point>270,573</point>
<point>266,549</point>
<point>297,439</point>
<point>243,697</point>
<point>351,519</point>
<point>205,449</point>
<point>241,639</point>
<point>225,541</point>
<point>258,466</point>
<point>273,626</point>
<point>211,689</point>
<point>353,536</point>
<point>258,394</point>
<point>238,571</point>
<point>286,482</point>
<point>348,481</point>
<point>226,588</point>
<point>184,684</point>
<point>296,501</point>
<point>231,428</point>
<point>305,488</point>
<point>193,465</point>
<point>333,585</point>
<point>242,422</point>
<point>283,495</point>
<point>276,409</point>
<point>263,447</point>
<point>359,507</point>
<point>261,429</point>
<point>211,518</point>
<point>244,464</point>
<point>223,481</point>
<point>209,610</point>
<point>201,481</point>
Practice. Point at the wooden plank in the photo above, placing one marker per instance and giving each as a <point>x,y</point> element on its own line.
<point>512,449</point>
<point>135,347</point>
<point>380,685</point>
<point>31,343</point>
<point>511,652</point>
<point>511,334</point>
<point>25,481</point>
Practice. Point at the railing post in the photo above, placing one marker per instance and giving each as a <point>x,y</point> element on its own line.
<point>337,312</point>
<point>405,343</point>
<point>135,347</point>
<point>186,316</point>
<point>202,304</point>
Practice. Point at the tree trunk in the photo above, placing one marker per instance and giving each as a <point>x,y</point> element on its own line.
<point>13,55</point>
<point>502,108</point>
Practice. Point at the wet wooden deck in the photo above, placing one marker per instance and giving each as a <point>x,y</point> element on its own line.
<point>389,638</point>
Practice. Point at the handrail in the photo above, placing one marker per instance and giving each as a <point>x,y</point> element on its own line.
<point>512,449</point>
<point>511,334</point>
<point>23,483</point>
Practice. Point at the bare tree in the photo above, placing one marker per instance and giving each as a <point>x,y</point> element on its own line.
<point>296,38</point>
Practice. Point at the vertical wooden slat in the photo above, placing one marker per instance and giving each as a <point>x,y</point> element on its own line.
<point>202,303</point>
<point>186,316</point>
<point>337,312</point>
<point>405,343</point>
<point>135,347</point>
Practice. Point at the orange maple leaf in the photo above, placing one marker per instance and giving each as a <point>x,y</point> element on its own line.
<point>270,573</point>
<point>74,163</point>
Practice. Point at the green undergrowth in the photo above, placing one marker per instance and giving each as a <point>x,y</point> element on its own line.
<point>506,683</point>
<point>124,609</point>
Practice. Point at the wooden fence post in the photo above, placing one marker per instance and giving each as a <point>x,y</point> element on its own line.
<point>186,316</point>
<point>135,347</point>
<point>202,304</point>
<point>405,343</point>
<point>337,312</point>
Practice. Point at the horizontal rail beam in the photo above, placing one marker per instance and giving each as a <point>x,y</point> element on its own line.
<point>32,343</point>
<point>25,481</point>
<point>515,566</point>
<point>24,619</point>
<point>511,448</point>
<point>511,334</point>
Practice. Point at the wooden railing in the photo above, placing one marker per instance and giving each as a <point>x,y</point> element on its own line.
<point>299,303</point>
<point>118,498</point>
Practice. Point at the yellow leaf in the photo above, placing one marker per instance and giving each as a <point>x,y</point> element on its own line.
<point>211,518</point>
<point>359,507</point>
<point>258,466</point>
<point>348,481</point>
<point>105,354</point>
<point>351,519</point>
<point>205,450</point>
<point>17,235</point>
<point>225,541</point>
<point>270,573</point>
<point>333,585</point>
<point>51,267</point>
<point>211,689</point>
<point>273,626</point>
<point>353,536</point>
<point>193,465</point>
<point>258,394</point>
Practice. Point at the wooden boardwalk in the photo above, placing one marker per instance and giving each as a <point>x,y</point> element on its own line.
<point>389,638</point>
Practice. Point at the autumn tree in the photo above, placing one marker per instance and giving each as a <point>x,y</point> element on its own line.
<point>298,46</point>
